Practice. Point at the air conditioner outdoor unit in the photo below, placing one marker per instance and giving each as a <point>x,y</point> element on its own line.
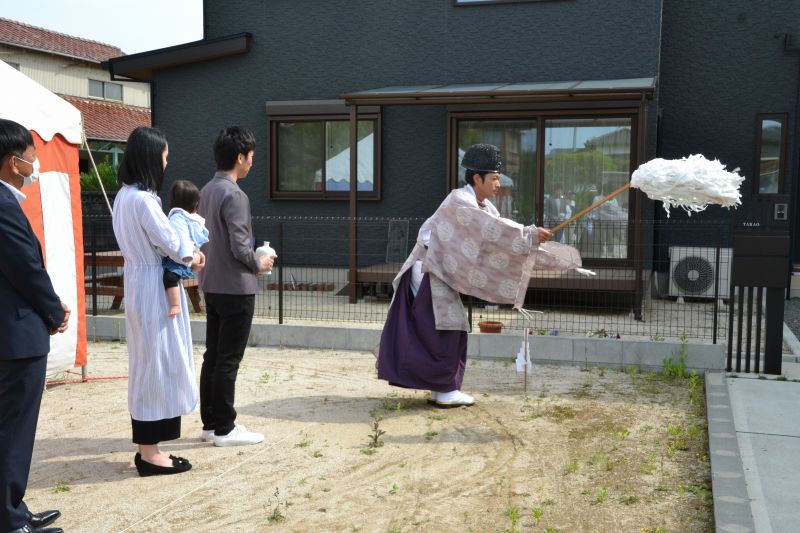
<point>692,272</point>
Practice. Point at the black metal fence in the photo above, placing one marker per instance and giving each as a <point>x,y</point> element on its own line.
<point>643,290</point>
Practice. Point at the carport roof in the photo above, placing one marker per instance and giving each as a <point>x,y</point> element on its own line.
<point>482,93</point>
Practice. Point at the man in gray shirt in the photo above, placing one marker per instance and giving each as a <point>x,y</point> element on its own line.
<point>229,283</point>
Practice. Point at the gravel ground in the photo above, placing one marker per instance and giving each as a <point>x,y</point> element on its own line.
<point>791,315</point>
<point>584,450</point>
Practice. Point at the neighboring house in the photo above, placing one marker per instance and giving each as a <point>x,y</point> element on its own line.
<point>70,67</point>
<point>577,94</point>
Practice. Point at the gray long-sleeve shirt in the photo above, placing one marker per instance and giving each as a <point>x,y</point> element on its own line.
<point>231,264</point>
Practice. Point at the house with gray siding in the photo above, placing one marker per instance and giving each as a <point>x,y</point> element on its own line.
<point>576,93</point>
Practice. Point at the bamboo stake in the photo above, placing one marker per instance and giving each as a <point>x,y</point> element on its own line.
<point>585,210</point>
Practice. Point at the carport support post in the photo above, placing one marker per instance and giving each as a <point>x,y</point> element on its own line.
<point>353,273</point>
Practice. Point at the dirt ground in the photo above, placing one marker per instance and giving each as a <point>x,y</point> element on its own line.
<point>586,450</point>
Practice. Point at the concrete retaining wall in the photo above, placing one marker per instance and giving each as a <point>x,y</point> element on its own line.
<point>609,353</point>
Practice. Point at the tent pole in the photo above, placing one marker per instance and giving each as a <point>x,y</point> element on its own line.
<point>96,173</point>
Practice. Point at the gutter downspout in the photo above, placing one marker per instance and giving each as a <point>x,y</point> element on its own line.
<point>793,50</point>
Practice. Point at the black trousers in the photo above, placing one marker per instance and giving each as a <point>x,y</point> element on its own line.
<point>228,321</point>
<point>21,386</point>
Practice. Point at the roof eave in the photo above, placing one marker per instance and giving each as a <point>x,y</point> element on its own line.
<point>497,97</point>
<point>140,67</point>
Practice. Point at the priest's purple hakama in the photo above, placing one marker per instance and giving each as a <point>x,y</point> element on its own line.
<point>413,353</point>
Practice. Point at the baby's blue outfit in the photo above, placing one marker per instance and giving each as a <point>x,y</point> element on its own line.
<point>192,232</point>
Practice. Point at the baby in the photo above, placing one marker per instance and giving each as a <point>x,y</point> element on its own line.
<point>191,229</point>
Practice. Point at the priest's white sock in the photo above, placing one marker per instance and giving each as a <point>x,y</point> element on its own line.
<point>455,396</point>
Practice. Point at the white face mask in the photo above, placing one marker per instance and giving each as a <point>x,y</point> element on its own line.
<point>34,176</point>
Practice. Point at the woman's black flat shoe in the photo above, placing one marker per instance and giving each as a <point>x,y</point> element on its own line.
<point>179,465</point>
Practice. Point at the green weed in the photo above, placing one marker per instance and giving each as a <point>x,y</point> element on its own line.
<point>276,516</point>
<point>571,467</point>
<point>676,370</point>
<point>513,514</point>
<point>375,437</point>
<point>600,494</point>
<point>61,486</point>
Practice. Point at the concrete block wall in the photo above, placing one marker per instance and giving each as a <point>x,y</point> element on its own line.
<point>610,353</point>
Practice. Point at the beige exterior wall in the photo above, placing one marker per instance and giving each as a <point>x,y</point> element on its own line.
<point>70,76</point>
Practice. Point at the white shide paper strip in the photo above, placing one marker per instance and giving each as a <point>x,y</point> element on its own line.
<point>691,183</point>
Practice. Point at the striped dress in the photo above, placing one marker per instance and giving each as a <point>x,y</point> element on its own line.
<point>161,381</point>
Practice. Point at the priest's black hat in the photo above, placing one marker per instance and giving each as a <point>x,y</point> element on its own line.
<point>483,158</point>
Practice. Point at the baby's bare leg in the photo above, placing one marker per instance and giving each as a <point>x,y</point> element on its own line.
<point>174,300</point>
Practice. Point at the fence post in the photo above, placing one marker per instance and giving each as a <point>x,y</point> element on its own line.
<point>93,240</point>
<point>280,273</point>
<point>716,294</point>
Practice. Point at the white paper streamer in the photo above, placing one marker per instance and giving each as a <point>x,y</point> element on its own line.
<point>523,361</point>
<point>691,183</point>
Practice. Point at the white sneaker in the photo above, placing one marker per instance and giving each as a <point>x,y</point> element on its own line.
<point>207,435</point>
<point>239,436</point>
<point>434,395</point>
<point>454,398</point>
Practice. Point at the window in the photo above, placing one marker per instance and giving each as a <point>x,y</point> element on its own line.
<point>584,160</point>
<point>517,140</point>
<point>105,89</point>
<point>554,167</point>
<point>770,153</point>
<point>310,157</point>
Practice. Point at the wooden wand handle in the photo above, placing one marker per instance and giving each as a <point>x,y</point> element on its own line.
<point>585,210</point>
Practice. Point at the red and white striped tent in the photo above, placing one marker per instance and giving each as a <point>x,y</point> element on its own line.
<point>53,205</point>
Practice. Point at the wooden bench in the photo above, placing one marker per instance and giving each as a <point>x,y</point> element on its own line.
<point>372,276</point>
<point>118,292</point>
<point>620,280</point>
<point>111,284</point>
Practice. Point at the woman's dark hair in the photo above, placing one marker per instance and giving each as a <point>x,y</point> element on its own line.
<point>184,194</point>
<point>231,142</point>
<point>14,139</point>
<point>142,162</point>
<point>469,173</point>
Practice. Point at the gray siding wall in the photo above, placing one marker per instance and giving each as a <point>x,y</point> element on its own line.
<point>304,49</point>
<point>721,65</point>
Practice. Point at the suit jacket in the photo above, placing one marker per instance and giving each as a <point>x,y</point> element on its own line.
<point>231,265</point>
<point>29,307</point>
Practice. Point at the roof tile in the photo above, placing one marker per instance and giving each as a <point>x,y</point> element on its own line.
<point>109,121</point>
<point>24,35</point>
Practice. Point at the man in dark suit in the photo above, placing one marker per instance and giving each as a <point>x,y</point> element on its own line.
<point>30,311</point>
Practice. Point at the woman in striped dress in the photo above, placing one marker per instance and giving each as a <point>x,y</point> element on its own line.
<point>161,383</point>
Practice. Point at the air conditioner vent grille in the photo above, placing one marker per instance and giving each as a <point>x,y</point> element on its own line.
<point>693,274</point>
